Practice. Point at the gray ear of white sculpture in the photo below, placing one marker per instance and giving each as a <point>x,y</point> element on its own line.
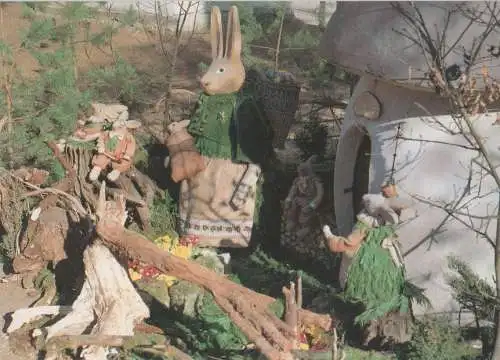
<point>364,37</point>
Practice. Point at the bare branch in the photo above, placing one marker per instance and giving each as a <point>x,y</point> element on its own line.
<point>438,142</point>
<point>452,213</point>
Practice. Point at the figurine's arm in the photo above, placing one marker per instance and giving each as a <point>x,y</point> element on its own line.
<point>86,137</point>
<point>319,194</point>
<point>130,147</point>
<point>292,193</point>
<point>340,244</point>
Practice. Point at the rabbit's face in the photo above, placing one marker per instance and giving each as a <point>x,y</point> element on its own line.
<point>226,74</point>
<point>177,126</point>
<point>223,77</point>
<point>172,128</point>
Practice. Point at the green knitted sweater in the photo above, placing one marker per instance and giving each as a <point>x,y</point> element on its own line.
<point>230,126</point>
<point>374,280</point>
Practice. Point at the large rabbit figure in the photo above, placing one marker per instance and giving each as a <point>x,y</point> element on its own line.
<point>218,204</point>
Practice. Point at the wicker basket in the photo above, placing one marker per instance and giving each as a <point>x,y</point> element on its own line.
<point>280,101</point>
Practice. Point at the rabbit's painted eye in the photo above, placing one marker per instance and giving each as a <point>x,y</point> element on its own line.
<point>221,70</point>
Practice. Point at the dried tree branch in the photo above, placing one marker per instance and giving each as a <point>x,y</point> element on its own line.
<point>462,115</point>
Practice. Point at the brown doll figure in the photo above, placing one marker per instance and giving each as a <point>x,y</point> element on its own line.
<point>303,199</point>
<point>115,147</point>
<point>184,158</point>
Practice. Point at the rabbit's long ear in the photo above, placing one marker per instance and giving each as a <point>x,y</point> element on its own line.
<point>216,33</point>
<point>233,38</point>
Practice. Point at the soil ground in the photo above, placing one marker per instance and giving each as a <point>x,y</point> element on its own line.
<point>136,46</point>
<point>12,297</point>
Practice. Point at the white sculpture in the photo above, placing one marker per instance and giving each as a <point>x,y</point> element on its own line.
<point>430,164</point>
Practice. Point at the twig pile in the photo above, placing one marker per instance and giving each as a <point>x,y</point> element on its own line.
<point>13,208</point>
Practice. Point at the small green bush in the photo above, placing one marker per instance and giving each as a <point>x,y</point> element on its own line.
<point>118,82</point>
<point>436,339</point>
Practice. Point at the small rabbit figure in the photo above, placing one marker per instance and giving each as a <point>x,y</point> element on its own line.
<point>184,159</point>
<point>217,205</point>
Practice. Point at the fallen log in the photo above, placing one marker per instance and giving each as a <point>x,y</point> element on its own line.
<point>140,248</point>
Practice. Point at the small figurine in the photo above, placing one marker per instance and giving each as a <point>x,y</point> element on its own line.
<point>302,201</point>
<point>372,269</point>
<point>115,147</point>
<point>184,158</point>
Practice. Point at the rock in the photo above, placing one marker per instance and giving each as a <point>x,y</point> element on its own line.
<point>225,258</point>
<point>157,289</point>
<point>187,297</point>
<point>184,296</point>
<point>210,259</point>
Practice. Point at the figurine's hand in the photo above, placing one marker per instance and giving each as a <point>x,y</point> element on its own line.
<point>80,134</point>
<point>327,232</point>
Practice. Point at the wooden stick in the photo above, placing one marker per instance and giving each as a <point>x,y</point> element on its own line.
<point>299,290</point>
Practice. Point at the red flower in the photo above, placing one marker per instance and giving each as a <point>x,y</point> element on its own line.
<point>189,239</point>
<point>302,338</point>
<point>149,271</point>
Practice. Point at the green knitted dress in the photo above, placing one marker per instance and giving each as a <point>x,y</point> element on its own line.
<point>374,280</point>
<point>231,126</point>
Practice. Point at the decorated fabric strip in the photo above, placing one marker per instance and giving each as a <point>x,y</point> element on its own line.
<point>233,229</point>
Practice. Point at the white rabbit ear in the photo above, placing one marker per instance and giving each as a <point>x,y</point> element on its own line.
<point>216,33</point>
<point>233,38</point>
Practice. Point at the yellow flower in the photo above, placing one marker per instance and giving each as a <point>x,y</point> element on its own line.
<point>312,330</point>
<point>134,275</point>
<point>167,279</point>
<point>182,251</point>
<point>303,346</point>
<point>164,242</point>
<point>315,332</point>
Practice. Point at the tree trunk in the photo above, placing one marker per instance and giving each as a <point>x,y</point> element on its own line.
<point>496,347</point>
